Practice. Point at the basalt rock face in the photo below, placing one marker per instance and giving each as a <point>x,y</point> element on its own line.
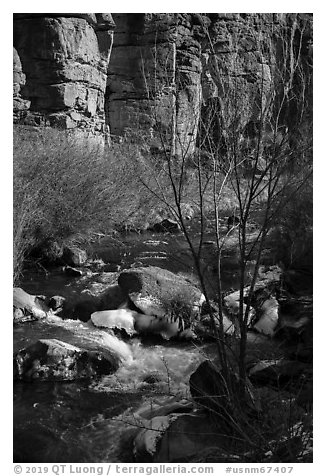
<point>137,73</point>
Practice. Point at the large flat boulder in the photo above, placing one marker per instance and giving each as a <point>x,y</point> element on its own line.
<point>159,292</point>
<point>52,359</point>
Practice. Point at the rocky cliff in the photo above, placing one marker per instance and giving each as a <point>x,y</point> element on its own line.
<point>61,63</point>
<point>109,75</point>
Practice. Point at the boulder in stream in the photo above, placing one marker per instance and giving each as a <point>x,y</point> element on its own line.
<point>232,305</point>
<point>56,303</point>
<point>177,437</point>
<point>166,226</point>
<point>52,359</point>
<point>208,389</point>
<point>28,307</point>
<point>102,293</point>
<point>172,431</point>
<point>74,256</point>
<point>268,321</point>
<point>73,272</point>
<point>160,292</point>
<point>168,304</point>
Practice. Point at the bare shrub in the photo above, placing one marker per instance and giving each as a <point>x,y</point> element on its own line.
<point>63,189</point>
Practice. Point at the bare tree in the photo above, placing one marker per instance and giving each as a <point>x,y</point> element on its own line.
<point>253,143</point>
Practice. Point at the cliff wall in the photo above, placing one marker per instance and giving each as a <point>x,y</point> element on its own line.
<point>109,75</point>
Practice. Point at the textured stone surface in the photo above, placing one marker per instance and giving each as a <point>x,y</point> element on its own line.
<point>208,389</point>
<point>28,307</point>
<point>137,73</point>
<point>175,437</point>
<point>52,359</point>
<point>154,76</point>
<point>268,321</point>
<point>74,256</point>
<point>65,59</point>
<point>20,105</point>
<point>166,291</point>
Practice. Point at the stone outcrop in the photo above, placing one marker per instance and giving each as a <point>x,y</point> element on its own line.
<point>65,58</point>
<point>136,73</point>
<point>154,76</point>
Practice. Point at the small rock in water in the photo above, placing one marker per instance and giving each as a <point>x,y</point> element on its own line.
<point>74,256</point>
<point>166,226</point>
<point>70,271</point>
<point>56,302</point>
<point>267,324</point>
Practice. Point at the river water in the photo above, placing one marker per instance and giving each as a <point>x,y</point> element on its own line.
<point>91,421</point>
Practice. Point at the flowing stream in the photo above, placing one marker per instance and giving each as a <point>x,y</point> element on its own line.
<point>90,421</point>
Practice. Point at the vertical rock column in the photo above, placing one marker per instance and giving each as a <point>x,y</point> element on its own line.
<point>188,71</point>
<point>154,79</point>
<point>20,105</point>
<point>141,74</point>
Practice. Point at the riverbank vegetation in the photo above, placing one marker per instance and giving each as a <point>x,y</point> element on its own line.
<point>65,191</point>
